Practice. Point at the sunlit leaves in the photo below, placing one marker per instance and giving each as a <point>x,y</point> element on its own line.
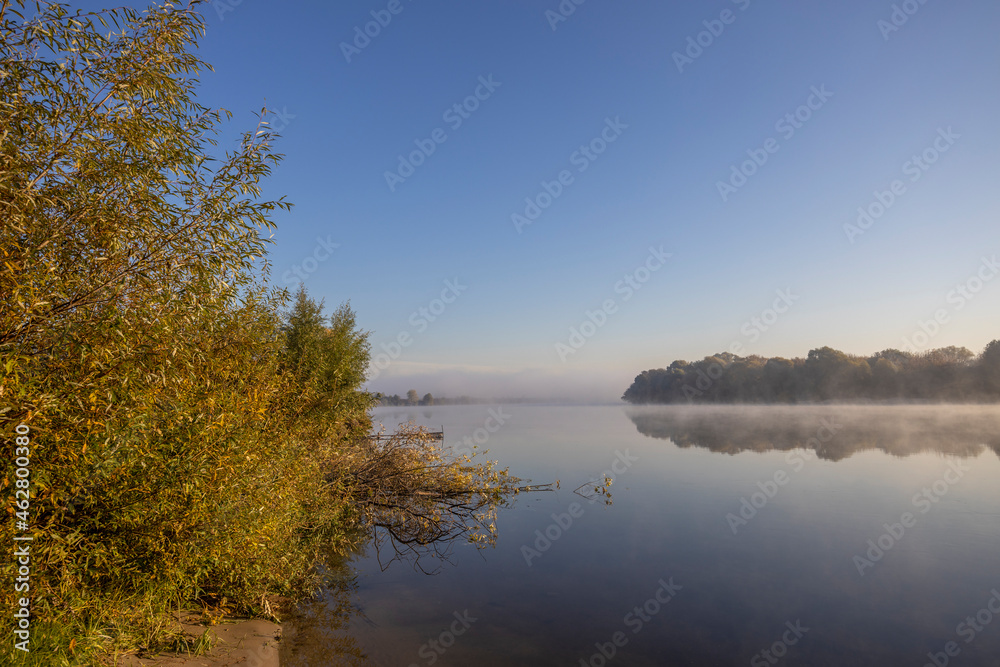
<point>137,338</point>
<point>420,496</point>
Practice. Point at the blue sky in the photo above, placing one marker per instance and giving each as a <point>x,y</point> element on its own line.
<point>889,95</point>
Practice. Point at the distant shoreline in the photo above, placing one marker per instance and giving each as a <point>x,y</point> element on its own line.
<point>946,375</point>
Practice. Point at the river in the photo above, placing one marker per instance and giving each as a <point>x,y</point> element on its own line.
<point>825,535</point>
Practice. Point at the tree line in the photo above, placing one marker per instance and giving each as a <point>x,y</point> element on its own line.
<point>412,398</point>
<point>949,374</point>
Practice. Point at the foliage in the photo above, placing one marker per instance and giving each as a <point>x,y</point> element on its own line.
<point>945,374</point>
<point>420,495</point>
<point>189,439</point>
<point>329,361</point>
<point>183,430</point>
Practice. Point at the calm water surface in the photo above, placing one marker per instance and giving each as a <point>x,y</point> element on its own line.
<point>821,535</point>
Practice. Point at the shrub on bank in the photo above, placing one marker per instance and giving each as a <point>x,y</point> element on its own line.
<point>185,430</point>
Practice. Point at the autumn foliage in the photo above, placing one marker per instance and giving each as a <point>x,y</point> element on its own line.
<point>187,419</point>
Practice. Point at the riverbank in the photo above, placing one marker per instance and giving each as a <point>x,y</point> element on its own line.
<point>242,643</point>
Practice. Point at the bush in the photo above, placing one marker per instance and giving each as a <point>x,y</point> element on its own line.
<point>189,440</point>
<point>177,451</point>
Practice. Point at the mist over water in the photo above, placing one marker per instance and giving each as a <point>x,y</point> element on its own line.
<point>874,530</point>
<point>898,430</point>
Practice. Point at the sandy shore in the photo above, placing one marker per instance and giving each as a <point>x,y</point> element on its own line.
<point>240,643</point>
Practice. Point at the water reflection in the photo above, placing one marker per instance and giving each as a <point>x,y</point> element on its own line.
<point>319,631</point>
<point>793,564</point>
<point>964,431</point>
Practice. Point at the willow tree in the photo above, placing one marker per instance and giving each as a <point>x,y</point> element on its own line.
<point>112,203</point>
<point>182,429</point>
<point>139,342</point>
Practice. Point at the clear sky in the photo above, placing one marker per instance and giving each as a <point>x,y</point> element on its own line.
<point>662,121</point>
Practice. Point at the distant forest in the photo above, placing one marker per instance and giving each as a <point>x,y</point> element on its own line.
<point>953,374</point>
<point>413,398</point>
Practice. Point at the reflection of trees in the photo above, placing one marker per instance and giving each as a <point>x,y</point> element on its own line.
<point>900,431</point>
<point>412,498</point>
<point>317,633</point>
<point>419,497</point>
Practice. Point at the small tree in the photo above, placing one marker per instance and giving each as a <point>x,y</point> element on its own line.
<point>427,399</point>
<point>412,397</point>
<point>329,359</point>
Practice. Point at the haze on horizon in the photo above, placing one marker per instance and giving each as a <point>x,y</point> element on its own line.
<point>483,180</point>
